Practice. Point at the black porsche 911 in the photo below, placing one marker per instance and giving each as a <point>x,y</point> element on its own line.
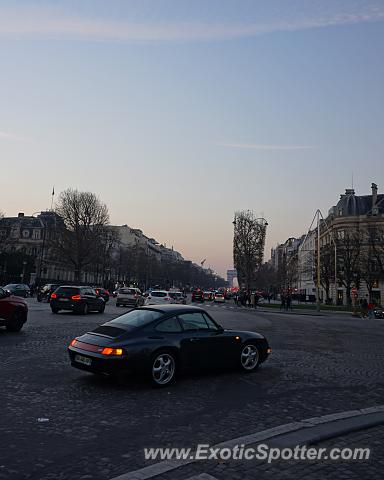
<point>159,341</point>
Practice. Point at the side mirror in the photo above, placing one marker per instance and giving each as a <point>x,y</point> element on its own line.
<point>220,329</point>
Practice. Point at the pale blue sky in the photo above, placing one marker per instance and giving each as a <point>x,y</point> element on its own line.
<point>177,113</point>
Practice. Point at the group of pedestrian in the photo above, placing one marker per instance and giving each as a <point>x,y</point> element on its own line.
<point>367,309</point>
<point>246,298</point>
<point>286,302</point>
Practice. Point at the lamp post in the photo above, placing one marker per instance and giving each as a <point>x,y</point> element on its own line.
<point>23,274</point>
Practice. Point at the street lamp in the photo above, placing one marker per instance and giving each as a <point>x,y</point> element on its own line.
<point>23,274</point>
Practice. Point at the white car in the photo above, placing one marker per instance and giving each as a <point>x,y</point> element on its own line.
<point>158,297</point>
<point>219,297</point>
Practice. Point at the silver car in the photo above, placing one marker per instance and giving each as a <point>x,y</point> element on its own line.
<point>178,297</point>
<point>129,297</point>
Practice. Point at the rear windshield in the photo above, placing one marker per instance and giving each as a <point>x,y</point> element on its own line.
<point>68,290</point>
<point>137,318</point>
<point>128,291</point>
<point>158,294</point>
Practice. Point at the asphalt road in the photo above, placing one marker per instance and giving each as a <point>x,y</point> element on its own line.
<point>95,428</point>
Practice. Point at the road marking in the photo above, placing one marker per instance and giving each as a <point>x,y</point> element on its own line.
<point>168,465</point>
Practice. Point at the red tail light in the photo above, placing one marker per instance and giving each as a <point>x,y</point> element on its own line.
<point>76,297</point>
<point>112,351</point>
<point>53,295</point>
<point>73,343</point>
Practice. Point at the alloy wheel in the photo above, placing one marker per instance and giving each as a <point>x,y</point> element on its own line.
<point>249,357</point>
<point>163,369</point>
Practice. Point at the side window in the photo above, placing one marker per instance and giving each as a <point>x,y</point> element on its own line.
<point>193,321</point>
<point>171,325</point>
<point>2,293</point>
<point>211,324</point>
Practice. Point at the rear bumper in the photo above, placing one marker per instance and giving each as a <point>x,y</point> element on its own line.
<point>127,302</point>
<point>72,306</point>
<point>99,363</point>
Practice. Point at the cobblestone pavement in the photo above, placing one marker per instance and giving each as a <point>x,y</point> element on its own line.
<point>97,428</point>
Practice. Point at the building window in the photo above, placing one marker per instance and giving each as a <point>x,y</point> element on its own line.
<point>25,233</point>
<point>36,234</point>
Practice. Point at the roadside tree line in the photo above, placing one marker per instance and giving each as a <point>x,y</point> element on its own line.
<point>82,241</point>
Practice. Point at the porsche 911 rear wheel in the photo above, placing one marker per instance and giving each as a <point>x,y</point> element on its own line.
<point>163,369</point>
<point>249,357</point>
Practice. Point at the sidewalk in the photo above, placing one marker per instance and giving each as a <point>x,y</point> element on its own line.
<point>296,311</point>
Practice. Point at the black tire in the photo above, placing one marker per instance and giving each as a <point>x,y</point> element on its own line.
<point>102,308</point>
<point>85,309</point>
<point>249,360</point>
<point>156,363</point>
<point>55,310</point>
<point>17,321</point>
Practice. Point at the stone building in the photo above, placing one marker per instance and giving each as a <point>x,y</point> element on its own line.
<point>350,225</point>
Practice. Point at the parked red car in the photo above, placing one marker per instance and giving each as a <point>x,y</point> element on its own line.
<point>13,311</point>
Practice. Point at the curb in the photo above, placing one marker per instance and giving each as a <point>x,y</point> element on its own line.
<point>307,431</point>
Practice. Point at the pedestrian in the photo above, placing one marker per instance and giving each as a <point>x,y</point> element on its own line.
<point>371,308</point>
<point>282,305</point>
<point>288,303</point>
<point>364,308</point>
<point>257,298</point>
<point>253,300</point>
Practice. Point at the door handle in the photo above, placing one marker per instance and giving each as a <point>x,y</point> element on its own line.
<point>193,339</point>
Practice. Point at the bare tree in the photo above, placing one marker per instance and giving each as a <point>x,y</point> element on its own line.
<point>349,247</point>
<point>85,220</point>
<point>327,269</point>
<point>248,246</point>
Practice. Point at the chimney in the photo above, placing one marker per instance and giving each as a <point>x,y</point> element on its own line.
<point>20,215</point>
<point>374,195</point>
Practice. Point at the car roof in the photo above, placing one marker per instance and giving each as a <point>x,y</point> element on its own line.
<point>74,286</point>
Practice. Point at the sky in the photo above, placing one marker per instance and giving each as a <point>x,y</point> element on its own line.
<point>178,113</point>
